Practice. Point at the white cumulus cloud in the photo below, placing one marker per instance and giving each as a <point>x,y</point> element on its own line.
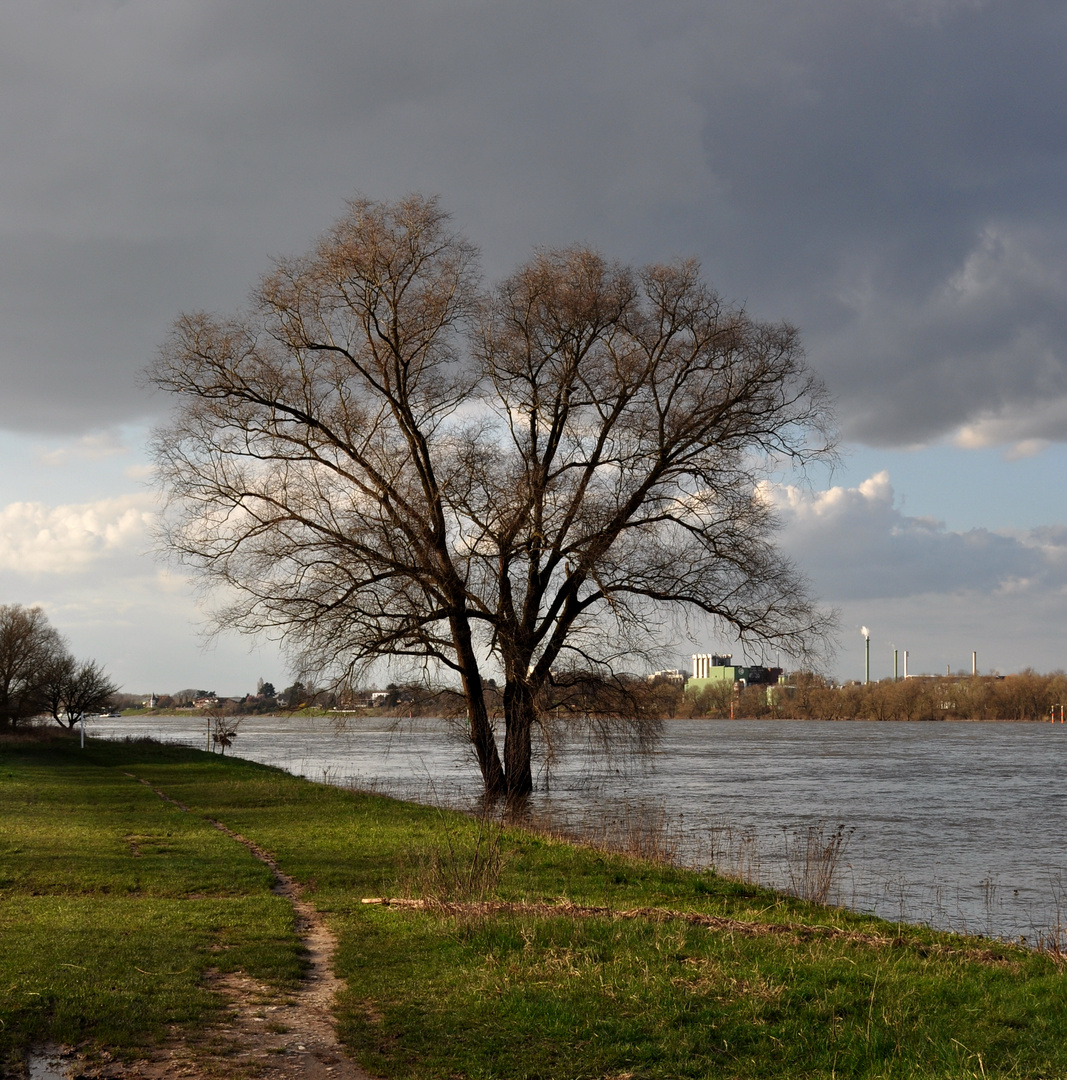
<point>857,543</point>
<point>38,539</point>
<point>918,585</point>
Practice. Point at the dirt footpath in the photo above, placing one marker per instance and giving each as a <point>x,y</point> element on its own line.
<point>264,1033</point>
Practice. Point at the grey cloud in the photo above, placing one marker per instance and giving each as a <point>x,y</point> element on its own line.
<point>842,164</point>
<point>884,161</point>
<point>984,352</point>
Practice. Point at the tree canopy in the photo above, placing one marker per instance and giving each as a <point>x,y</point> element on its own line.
<point>377,458</point>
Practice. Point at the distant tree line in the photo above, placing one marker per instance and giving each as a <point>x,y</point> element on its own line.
<point>1028,695</point>
<point>589,695</point>
<point>40,677</point>
<point>600,702</point>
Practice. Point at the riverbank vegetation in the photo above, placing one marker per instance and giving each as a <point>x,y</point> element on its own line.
<point>1028,695</point>
<point>527,956</point>
<point>598,704</point>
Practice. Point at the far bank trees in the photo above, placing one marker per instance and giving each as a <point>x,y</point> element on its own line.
<point>39,676</point>
<point>1026,696</point>
<point>378,459</point>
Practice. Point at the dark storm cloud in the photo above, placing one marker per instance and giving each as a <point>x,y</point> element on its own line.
<point>888,175</point>
<point>901,180</point>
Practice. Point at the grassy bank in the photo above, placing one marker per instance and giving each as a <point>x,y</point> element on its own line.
<point>114,903</point>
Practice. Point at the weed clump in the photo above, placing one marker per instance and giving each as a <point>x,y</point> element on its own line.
<point>813,859</point>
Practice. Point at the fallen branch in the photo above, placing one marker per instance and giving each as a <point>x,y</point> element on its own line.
<point>798,931</point>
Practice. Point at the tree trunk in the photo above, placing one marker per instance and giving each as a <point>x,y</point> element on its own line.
<point>481,734</point>
<point>519,719</point>
<point>481,730</point>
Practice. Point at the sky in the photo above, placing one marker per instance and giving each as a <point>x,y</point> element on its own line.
<point>888,175</point>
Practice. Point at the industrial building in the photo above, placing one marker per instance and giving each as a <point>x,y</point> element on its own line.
<point>711,669</point>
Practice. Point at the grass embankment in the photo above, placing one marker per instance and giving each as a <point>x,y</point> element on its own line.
<point>113,903</point>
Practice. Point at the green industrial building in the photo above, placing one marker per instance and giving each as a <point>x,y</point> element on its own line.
<point>711,669</point>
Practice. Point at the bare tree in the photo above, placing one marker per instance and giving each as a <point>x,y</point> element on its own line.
<point>73,690</point>
<point>39,676</point>
<point>638,412</point>
<point>303,464</point>
<point>54,679</point>
<point>367,483</point>
<point>29,645</point>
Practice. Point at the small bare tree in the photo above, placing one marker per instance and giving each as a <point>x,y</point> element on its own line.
<point>38,675</point>
<point>73,690</point>
<point>223,730</point>
<point>378,461</point>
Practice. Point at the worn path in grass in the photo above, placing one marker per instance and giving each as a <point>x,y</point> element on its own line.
<point>276,1036</point>
<point>140,938</point>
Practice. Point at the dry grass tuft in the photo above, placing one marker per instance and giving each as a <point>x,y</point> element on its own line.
<point>813,858</point>
<point>462,866</point>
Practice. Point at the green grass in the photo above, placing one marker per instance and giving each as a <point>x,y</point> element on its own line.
<point>113,903</point>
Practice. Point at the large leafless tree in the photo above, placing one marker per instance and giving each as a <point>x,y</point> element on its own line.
<point>375,459</point>
<point>637,412</point>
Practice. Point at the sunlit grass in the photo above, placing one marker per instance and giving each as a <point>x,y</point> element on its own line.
<point>98,873</point>
<point>113,904</point>
<point>117,971</point>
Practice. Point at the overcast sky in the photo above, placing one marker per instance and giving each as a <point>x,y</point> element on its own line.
<point>889,175</point>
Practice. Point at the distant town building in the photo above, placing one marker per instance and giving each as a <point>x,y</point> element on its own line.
<point>669,675</point>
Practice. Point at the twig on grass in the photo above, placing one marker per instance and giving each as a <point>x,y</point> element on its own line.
<point>799,931</point>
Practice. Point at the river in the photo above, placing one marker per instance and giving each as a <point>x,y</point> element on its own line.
<point>959,825</point>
